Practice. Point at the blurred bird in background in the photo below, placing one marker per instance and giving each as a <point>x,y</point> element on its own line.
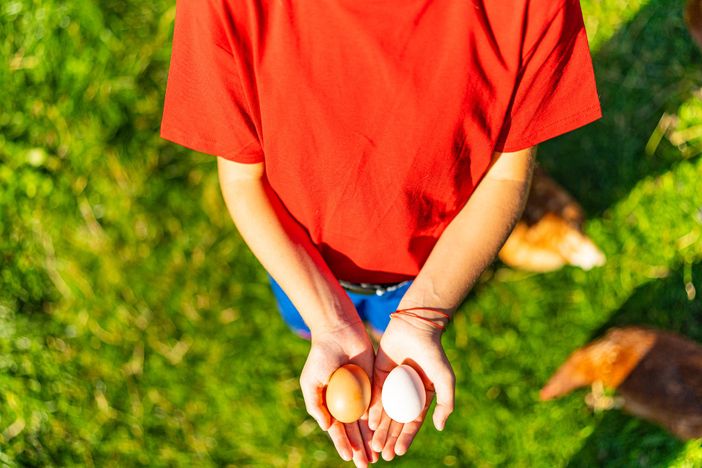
<point>657,375</point>
<point>550,233</point>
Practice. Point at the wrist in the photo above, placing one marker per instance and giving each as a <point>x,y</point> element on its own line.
<point>428,319</point>
<point>334,325</point>
<point>429,295</point>
<point>326,308</point>
<point>338,317</point>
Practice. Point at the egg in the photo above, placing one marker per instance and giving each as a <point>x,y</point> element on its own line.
<point>403,394</point>
<point>348,393</point>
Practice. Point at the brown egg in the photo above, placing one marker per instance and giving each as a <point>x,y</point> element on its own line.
<point>348,393</point>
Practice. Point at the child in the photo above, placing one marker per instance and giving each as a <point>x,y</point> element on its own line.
<point>382,146</point>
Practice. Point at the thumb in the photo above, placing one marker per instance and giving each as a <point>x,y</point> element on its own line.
<point>444,385</point>
<point>313,394</point>
<point>383,366</point>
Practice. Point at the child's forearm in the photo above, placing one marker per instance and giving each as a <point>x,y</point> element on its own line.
<point>471,241</point>
<point>283,247</point>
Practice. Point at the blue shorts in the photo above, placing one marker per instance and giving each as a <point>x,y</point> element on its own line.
<point>372,308</point>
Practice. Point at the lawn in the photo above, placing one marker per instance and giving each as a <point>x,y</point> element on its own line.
<point>137,329</point>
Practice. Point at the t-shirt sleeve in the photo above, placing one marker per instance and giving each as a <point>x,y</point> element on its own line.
<point>556,90</point>
<point>206,108</point>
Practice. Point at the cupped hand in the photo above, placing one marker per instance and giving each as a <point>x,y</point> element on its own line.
<point>408,340</point>
<point>331,349</point>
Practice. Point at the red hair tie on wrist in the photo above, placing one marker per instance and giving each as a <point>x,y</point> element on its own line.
<point>409,313</point>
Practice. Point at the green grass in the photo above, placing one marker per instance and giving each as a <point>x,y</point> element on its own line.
<point>136,328</point>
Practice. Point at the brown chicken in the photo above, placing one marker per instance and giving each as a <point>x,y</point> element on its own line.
<point>549,234</point>
<point>693,18</point>
<point>657,374</point>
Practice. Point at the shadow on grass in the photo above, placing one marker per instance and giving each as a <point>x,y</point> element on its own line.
<point>620,439</point>
<point>664,304</point>
<point>650,66</point>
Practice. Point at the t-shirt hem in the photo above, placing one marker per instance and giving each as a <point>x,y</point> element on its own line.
<point>243,154</point>
<point>554,129</point>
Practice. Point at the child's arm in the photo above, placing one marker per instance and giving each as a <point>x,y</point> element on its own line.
<point>471,241</point>
<point>283,247</point>
<point>464,250</point>
<point>287,253</point>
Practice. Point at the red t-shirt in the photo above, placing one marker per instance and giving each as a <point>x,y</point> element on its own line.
<point>376,119</point>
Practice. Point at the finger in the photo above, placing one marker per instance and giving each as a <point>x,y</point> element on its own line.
<point>409,431</point>
<point>393,433</point>
<point>381,433</point>
<point>383,366</point>
<point>359,461</point>
<point>367,437</point>
<point>407,436</point>
<point>444,386</point>
<point>354,435</point>
<point>360,458</point>
<point>313,394</point>
<point>341,443</point>
<point>375,412</point>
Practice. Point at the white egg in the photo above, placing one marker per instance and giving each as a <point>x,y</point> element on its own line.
<point>403,394</point>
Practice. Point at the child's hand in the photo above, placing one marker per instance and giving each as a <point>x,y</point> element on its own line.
<point>330,350</point>
<point>408,340</point>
